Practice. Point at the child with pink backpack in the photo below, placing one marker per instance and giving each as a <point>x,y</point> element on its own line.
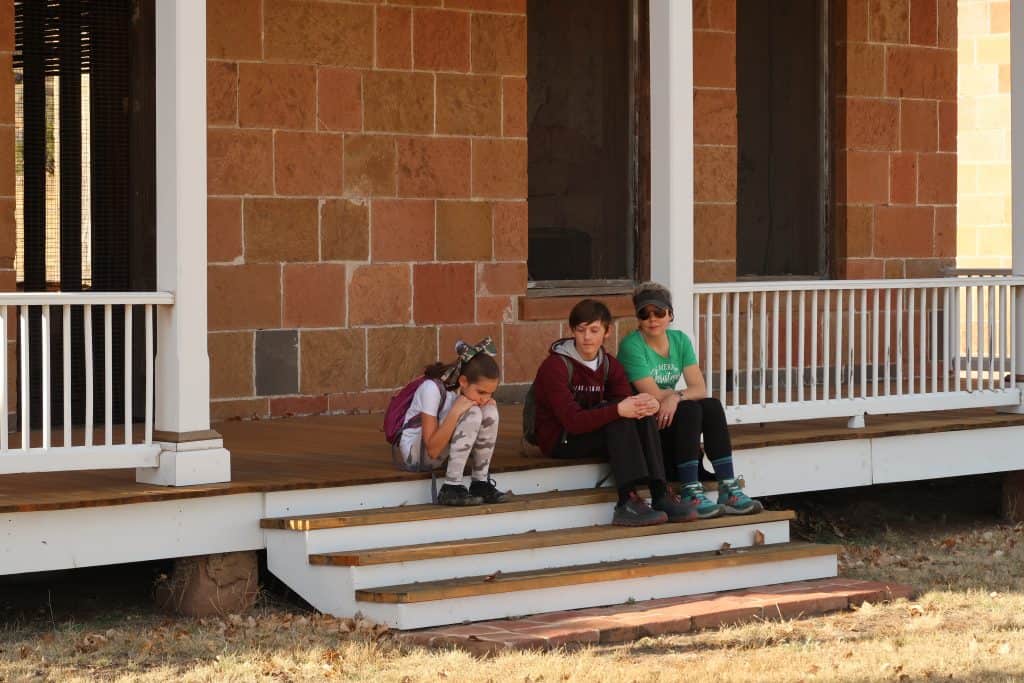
<point>450,413</point>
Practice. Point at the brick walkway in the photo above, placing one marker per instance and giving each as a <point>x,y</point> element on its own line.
<point>621,623</point>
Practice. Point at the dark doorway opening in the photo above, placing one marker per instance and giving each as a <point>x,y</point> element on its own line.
<point>588,127</point>
<point>85,85</point>
<point>781,70</point>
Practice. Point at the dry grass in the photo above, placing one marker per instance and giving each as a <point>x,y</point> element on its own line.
<point>967,625</point>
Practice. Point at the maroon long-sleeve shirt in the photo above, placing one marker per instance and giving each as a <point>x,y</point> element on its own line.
<point>585,407</point>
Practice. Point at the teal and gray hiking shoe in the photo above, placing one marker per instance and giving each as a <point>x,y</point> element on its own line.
<point>693,495</point>
<point>487,491</point>
<point>636,512</point>
<point>734,501</point>
<point>457,495</point>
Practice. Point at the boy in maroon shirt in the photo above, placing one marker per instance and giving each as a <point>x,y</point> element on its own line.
<point>597,415</point>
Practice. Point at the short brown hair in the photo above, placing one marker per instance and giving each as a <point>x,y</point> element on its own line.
<point>588,311</point>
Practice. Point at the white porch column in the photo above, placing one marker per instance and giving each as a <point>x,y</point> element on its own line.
<point>672,153</point>
<point>191,453</point>
<point>1017,164</point>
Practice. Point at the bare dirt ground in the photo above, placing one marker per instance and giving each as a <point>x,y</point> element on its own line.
<point>943,537</point>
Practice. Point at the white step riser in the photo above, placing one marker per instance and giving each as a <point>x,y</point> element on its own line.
<point>521,603</point>
<point>414,492</point>
<point>566,555</point>
<point>325,588</point>
<point>456,528</point>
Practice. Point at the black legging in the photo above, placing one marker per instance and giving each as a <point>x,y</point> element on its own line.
<point>680,441</point>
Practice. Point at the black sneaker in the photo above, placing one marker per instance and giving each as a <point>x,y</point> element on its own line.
<point>456,494</point>
<point>673,506</point>
<point>635,512</point>
<point>487,491</point>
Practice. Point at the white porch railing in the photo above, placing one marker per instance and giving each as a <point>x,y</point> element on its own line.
<point>775,351</point>
<point>112,443</point>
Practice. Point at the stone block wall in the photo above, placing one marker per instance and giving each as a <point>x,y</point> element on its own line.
<point>715,140</point>
<point>895,138</point>
<point>983,189</point>
<point>367,181</point>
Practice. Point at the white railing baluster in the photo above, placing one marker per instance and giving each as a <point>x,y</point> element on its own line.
<point>1014,293</point>
<point>863,343</point>
<point>935,342</point>
<point>128,374</point>
<point>696,326</point>
<point>750,349</point>
<point>888,339</point>
<point>946,350</point>
<point>899,342</point>
<point>851,346</point>
<point>775,347</point>
<point>789,346</point>
<point>4,402</point>
<point>802,329</point>
<point>969,334</point>
<point>89,383</point>
<point>108,375</point>
<point>763,350</point>
<point>722,343</point>
<point>1001,351</point>
<point>826,347</point>
<point>709,370</point>
<point>875,342</point>
<point>24,402</point>
<point>735,349</point>
<point>911,310</point>
<point>66,358</point>
<point>923,343</point>
<point>150,311</point>
<point>44,332</point>
<point>990,332</point>
<point>839,343</point>
<point>814,345</point>
<point>981,349</point>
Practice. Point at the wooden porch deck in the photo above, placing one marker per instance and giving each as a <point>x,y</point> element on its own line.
<point>344,450</point>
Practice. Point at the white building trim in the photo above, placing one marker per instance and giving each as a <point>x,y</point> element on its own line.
<point>182,363</point>
<point>672,153</point>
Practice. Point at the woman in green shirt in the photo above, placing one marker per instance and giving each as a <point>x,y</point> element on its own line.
<point>655,357</point>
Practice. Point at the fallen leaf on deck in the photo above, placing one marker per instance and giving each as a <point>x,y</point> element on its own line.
<point>492,577</point>
<point>723,548</point>
<point>758,537</point>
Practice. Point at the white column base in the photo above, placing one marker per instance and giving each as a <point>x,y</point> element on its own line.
<point>188,464</point>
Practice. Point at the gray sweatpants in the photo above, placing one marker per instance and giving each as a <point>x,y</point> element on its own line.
<point>474,438</point>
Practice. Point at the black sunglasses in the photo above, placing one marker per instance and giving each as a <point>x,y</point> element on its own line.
<point>647,313</point>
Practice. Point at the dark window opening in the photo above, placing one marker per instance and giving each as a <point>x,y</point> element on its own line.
<point>780,77</point>
<point>85,177</point>
<point>587,84</point>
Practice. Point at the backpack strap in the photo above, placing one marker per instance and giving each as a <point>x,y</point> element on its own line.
<point>417,420</point>
<point>443,391</point>
<point>568,368</point>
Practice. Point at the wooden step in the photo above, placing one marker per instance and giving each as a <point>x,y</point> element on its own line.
<point>532,540</point>
<point>427,511</point>
<point>605,571</point>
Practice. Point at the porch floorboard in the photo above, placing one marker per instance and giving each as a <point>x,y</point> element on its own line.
<point>343,450</point>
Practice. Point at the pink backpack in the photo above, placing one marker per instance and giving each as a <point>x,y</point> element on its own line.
<point>398,406</point>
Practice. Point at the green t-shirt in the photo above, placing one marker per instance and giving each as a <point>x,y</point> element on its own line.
<point>640,360</point>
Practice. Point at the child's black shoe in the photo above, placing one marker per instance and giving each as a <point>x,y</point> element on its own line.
<point>487,491</point>
<point>456,494</point>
